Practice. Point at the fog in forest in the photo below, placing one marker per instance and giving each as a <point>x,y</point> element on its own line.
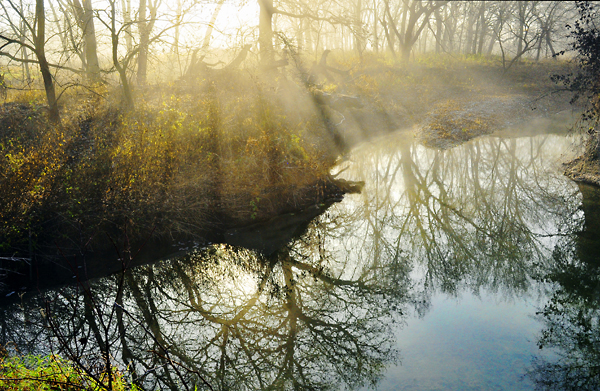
<point>280,194</point>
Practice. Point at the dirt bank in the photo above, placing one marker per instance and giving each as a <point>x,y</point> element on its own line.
<point>447,101</point>
<point>586,168</point>
<point>453,122</point>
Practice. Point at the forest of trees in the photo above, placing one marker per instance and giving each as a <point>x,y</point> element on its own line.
<point>75,42</point>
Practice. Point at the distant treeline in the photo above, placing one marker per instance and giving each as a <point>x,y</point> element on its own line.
<point>85,41</point>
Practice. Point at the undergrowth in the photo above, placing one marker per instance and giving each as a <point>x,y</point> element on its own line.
<point>40,373</point>
<point>220,149</point>
<point>191,156</point>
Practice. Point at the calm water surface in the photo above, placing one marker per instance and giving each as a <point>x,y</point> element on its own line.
<point>471,268</point>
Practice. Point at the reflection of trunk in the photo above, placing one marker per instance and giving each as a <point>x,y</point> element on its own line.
<point>293,312</point>
<point>126,353</point>
<point>588,242</point>
<point>91,319</point>
<point>145,304</point>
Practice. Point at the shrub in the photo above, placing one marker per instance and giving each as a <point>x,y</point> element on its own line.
<point>37,373</point>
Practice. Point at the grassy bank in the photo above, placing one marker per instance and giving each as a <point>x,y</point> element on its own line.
<point>228,150</point>
<point>29,373</point>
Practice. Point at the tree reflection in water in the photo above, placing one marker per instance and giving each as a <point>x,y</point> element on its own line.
<point>239,321</point>
<point>485,215</point>
<point>494,214</point>
<point>571,317</point>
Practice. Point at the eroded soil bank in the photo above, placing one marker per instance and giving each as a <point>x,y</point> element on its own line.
<point>586,168</point>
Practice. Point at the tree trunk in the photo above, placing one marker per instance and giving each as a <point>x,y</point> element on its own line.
<point>388,37</point>
<point>450,28</point>
<point>476,35</point>
<point>308,38</point>
<point>438,31</point>
<point>60,31</point>
<point>121,69</point>
<point>144,42</point>
<point>391,37</point>
<point>175,46</point>
<point>91,51</point>
<point>483,28</point>
<point>126,9</point>
<point>495,34</point>
<point>357,28</point>
<point>521,28</point>
<point>211,24</point>
<point>469,37</point>
<point>39,44</point>
<point>265,32</point>
<point>549,45</point>
<point>375,32</point>
<point>27,72</point>
<point>85,20</point>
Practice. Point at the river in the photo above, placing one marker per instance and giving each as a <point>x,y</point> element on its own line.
<point>466,269</point>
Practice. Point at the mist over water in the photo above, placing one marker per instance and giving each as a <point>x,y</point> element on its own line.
<point>274,195</point>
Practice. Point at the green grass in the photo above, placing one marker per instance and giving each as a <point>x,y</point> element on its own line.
<point>39,373</point>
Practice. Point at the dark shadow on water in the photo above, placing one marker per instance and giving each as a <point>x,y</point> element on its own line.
<point>571,317</point>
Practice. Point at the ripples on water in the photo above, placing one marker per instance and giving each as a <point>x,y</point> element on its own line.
<point>450,271</point>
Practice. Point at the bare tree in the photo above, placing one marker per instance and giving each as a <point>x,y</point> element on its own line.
<point>37,44</point>
<point>85,21</point>
<point>414,18</point>
<point>145,25</point>
<point>265,31</point>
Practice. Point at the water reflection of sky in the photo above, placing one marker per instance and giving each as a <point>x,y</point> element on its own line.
<point>471,343</point>
<point>478,333</point>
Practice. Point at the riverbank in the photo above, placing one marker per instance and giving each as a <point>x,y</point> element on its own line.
<point>198,158</point>
<point>446,102</point>
<point>586,167</point>
<point>188,161</point>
